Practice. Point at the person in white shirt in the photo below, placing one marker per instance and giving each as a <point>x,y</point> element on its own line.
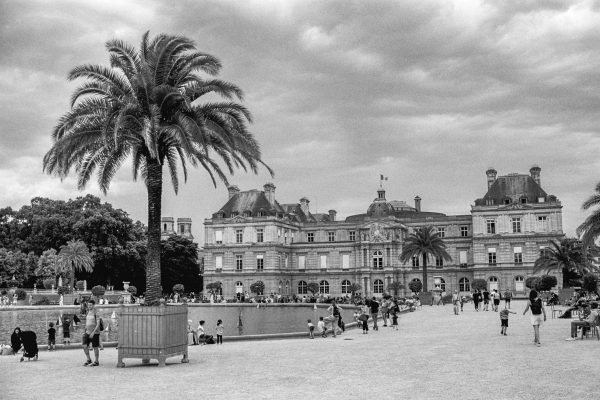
<point>201,333</point>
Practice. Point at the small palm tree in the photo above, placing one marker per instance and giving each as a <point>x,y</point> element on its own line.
<point>147,107</point>
<point>422,243</point>
<point>566,256</point>
<point>74,256</point>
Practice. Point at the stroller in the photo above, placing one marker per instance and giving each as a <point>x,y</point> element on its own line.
<point>30,347</point>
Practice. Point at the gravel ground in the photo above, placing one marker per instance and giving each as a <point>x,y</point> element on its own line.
<point>434,355</point>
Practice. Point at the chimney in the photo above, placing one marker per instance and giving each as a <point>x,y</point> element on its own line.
<point>535,174</point>
<point>491,176</point>
<point>418,203</point>
<point>332,214</point>
<point>304,205</point>
<point>233,190</point>
<point>270,192</point>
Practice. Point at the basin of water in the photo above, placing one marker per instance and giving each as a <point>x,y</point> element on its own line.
<point>238,319</point>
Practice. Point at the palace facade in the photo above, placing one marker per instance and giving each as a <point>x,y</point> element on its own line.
<point>254,237</point>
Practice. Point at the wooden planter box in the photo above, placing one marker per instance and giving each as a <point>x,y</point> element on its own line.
<point>156,332</point>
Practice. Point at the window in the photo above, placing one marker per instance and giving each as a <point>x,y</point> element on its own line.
<point>259,235</point>
<point>302,287</point>
<point>346,286</point>
<point>239,235</point>
<point>493,279</point>
<point>310,237</point>
<point>518,255</point>
<point>462,258</point>
<point>352,235</point>
<point>523,200</point>
<point>260,262</point>
<point>234,214</point>
<point>439,283</point>
<point>261,214</point>
<point>219,237</point>
<point>439,262</point>
<point>491,226</point>
<point>331,236</point>
<point>464,285</point>
<point>415,261</point>
<point>378,286</point>
<point>516,225</point>
<point>323,261</point>
<point>301,262</point>
<point>464,231</point>
<point>239,264</point>
<point>492,256</point>
<point>441,231</point>
<point>377,260</point>
<point>218,263</point>
<point>543,223</point>
<point>165,227</point>
<point>345,261</point>
<point>324,287</point>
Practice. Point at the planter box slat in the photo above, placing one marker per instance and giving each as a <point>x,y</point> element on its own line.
<point>153,333</point>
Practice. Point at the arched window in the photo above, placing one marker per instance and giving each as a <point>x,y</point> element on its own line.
<point>377,259</point>
<point>519,279</point>
<point>441,285</point>
<point>239,287</point>
<point>324,287</point>
<point>378,286</point>
<point>416,280</point>
<point>464,285</point>
<point>493,279</point>
<point>302,287</point>
<point>346,286</point>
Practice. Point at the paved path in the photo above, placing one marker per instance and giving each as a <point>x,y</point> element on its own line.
<point>434,355</point>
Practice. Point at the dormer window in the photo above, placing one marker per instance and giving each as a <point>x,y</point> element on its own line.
<point>261,214</point>
<point>220,214</point>
<point>523,200</point>
<point>234,214</point>
<point>506,201</point>
<point>247,213</point>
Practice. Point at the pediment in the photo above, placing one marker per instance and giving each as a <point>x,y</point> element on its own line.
<point>516,206</point>
<point>237,219</point>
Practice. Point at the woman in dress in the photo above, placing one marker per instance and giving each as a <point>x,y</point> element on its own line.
<point>537,309</point>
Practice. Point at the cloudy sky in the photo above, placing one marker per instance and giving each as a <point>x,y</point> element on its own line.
<point>428,93</point>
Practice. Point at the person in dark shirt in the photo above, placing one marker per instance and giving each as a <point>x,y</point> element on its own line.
<point>486,300</point>
<point>51,337</point>
<point>374,312</point>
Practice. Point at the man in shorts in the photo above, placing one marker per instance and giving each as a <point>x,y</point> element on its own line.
<point>91,334</point>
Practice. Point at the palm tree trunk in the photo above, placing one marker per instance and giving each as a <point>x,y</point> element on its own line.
<point>72,277</point>
<point>425,272</point>
<point>154,186</point>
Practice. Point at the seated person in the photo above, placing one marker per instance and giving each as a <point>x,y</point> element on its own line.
<point>585,323</point>
<point>201,333</point>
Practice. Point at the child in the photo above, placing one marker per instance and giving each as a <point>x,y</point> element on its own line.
<point>322,329</point>
<point>394,310</point>
<point>311,329</point>
<point>51,337</point>
<point>220,328</point>
<point>504,320</point>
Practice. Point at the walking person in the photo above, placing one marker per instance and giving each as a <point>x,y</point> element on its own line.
<point>507,298</point>
<point>486,300</point>
<point>456,301</point>
<point>220,329</point>
<point>537,309</point>
<point>374,312</point>
<point>91,335</point>
<point>384,311</point>
<point>364,317</point>
<point>476,299</point>
<point>496,300</point>
<point>394,310</point>
<point>335,312</point>
<point>504,320</point>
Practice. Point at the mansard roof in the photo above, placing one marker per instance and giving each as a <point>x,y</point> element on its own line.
<point>251,201</point>
<point>404,215</point>
<point>513,188</point>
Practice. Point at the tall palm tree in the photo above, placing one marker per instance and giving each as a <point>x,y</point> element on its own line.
<point>147,107</point>
<point>589,230</point>
<point>74,256</point>
<point>424,242</point>
<point>566,256</point>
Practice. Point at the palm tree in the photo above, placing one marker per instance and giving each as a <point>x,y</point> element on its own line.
<point>147,107</point>
<point>74,256</point>
<point>589,230</point>
<point>566,256</point>
<point>424,242</point>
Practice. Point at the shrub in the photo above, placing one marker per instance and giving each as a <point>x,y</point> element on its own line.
<point>21,294</point>
<point>532,282</point>
<point>257,287</point>
<point>447,298</point>
<point>132,290</point>
<point>44,301</point>
<point>178,288</point>
<point>3,292</point>
<point>546,282</point>
<point>62,290</point>
<point>415,286</point>
<point>590,283</point>
<point>480,284</point>
<point>79,285</point>
<point>98,290</point>
<point>48,283</point>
